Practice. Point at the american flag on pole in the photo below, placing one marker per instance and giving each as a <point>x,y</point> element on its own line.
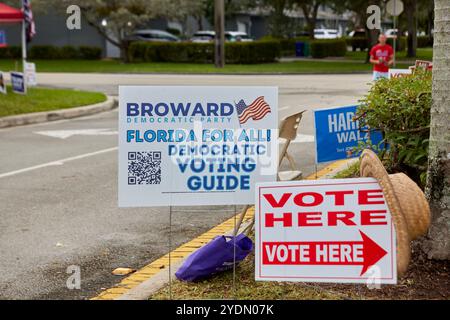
<point>256,110</point>
<point>29,20</point>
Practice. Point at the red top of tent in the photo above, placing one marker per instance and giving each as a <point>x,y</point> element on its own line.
<point>9,14</point>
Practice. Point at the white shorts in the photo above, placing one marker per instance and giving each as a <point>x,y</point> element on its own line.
<point>379,75</point>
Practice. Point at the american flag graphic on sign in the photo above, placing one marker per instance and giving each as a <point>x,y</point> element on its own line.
<point>256,110</point>
<point>29,20</point>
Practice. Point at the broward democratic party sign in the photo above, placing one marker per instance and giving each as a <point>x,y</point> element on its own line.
<point>195,145</point>
<point>337,230</point>
<point>337,134</point>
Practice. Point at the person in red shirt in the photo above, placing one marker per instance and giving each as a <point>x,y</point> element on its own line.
<point>381,56</point>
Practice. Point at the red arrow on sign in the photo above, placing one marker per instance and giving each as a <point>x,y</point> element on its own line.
<point>366,253</point>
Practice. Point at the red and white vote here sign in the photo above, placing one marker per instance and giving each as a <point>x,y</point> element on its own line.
<point>324,231</point>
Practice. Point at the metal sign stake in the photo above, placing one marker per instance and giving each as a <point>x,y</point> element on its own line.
<point>234,254</point>
<point>170,252</point>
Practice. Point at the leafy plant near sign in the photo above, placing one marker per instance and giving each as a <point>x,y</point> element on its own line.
<point>400,108</point>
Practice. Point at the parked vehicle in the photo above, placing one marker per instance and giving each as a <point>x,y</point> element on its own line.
<point>391,33</point>
<point>153,35</point>
<point>203,36</point>
<point>237,36</point>
<point>326,34</point>
<point>357,33</point>
<point>230,36</point>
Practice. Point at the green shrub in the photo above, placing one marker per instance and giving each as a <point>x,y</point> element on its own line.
<point>12,52</point>
<point>44,52</point>
<point>90,53</point>
<point>252,52</point>
<point>173,52</point>
<point>328,48</point>
<point>287,45</point>
<point>200,52</point>
<point>69,52</point>
<point>235,52</point>
<point>400,108</point>
<point>424,42</point>
<point>137,51</point>
<point>360,43</point>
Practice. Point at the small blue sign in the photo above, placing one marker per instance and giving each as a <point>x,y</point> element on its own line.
<point>337,134</point>
<point>18,83</point>
<point>2,38</point>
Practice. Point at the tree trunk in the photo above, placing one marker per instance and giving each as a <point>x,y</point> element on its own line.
<point>124,51</point>
<point>310,13</point>
<point>311,28</point>
<point>411,12</point>
<point>279,19</point>
<point>437,244</point>
<point>372,37</point>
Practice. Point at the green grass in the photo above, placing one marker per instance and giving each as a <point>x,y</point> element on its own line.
<point>114,66</point>
<point>351,172</point>
<point>422,54</point>
<point>40,99</point>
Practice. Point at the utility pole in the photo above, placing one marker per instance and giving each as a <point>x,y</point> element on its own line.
<point>219,41</point>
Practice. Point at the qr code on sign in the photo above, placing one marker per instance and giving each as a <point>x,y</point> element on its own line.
<point>144,167</point>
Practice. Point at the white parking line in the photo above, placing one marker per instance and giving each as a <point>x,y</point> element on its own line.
<point>56,163</point>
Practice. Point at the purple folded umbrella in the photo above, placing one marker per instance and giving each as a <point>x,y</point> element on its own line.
<point>214,257</point>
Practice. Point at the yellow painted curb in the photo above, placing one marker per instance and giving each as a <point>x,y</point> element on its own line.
<point>328,169</point>
<point>186,249</point>
<point>178,254</point>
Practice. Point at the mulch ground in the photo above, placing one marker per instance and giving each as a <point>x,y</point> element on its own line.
<point>425,279</point>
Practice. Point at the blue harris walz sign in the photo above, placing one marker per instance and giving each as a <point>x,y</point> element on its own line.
<point>337,133</point>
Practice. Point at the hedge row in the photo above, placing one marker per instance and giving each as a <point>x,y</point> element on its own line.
<point>318,48</point>
<point>235,52</point>
<point>287,44</point>
<point>424,42</point>
<point>10,52</point>
<point>328,48</point>
<point>53,52</point>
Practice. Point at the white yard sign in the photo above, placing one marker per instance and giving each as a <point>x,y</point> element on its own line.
<point>30,74</point>
<point>2,83</point>
<point>195,145</point>
<point>324,231</point>
<point>397,73</point>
